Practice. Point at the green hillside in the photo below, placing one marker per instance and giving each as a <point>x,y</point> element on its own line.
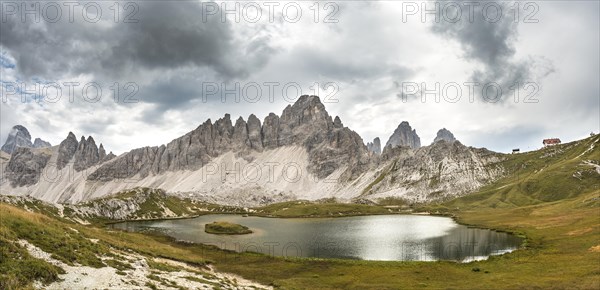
<point>549,174</point>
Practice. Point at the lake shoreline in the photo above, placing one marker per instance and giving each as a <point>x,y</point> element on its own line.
<point>391,237</point>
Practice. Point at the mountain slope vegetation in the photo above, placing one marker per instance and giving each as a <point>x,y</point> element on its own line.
<point>550,174</point>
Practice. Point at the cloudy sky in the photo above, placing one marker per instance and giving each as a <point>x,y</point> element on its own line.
<point>509,74</point>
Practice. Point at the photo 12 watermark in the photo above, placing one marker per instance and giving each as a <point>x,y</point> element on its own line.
<point>270,91</point>
<point>454,92</point>
<point>270,11</point>
<point>69,91</point>
<point>69,11</point>
<point>469,11</point>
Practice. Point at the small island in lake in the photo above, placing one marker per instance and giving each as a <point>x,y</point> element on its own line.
<point>226,228</point>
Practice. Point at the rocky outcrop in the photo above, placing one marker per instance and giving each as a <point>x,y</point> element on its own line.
<point>374,146</point>
<point>19,137</point>
<point>84,153</point>
<point>307,118</point>
<point>109,157</point>
<point>102,156</point>
<point>270,131</point>
<point>87,154</point>
<point>39,143</point>
<point>26,166</point>
<point>255,133</point>
<point>66,150</point>
<point>126,205</point>
<point>188,152</point>
<point>224,133</point>
<point>434,172</point>
<point>337,123</point>
<point>330,145</point>
<point>240,139</point>
<point>404,135</point>
<point>343,148</point>
<point>101,152</point>
<point>444,134</point>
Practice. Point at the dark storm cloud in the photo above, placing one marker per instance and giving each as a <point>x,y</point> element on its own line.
<point>167,35</point>
<point>173,35</point>
<point>484,40</point>
<point>171,93</point>
<point>167,52</point>
<point>490,38</point>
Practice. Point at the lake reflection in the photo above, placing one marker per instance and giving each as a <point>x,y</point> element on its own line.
<point>379,237</point>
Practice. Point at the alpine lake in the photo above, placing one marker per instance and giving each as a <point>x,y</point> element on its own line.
<point>375,237</point>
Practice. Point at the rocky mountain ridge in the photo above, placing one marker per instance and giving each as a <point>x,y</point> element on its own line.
<point>19,137</point>
<point>39,143</point>
<point>27,164</point>
<point>306,123</point>
<point>302,154</point>
<point>441,170</point>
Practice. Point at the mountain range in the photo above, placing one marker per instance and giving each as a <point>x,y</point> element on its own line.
<point>303,154</point>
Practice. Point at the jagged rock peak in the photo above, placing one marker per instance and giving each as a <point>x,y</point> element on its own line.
<point>337,122</point>
<point>308,100</point>
<point>84,153</point>
<point>300,120</point>
<point>404,135</point>
<point>39,143</point>
<point>66,150</point>
<point>270,131</point>
<point>224,126</point>
<point>26,166</point>
<point>17,137</point>
<point>305,109</point>
<point>305,123</point>
<point>240,134</point>
<point>374,146</point>
<point>444,134</point>
<point>110,156</point>
<point>254,132</point>
<point>21,129</point>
